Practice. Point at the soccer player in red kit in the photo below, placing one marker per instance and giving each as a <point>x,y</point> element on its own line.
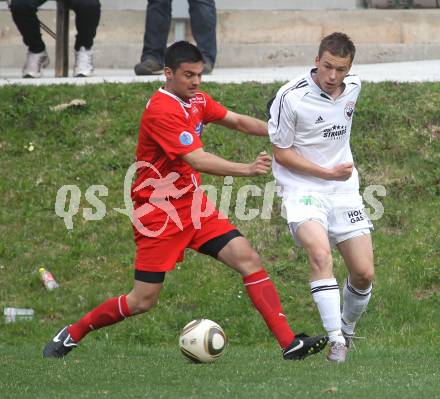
<point>172,213</point>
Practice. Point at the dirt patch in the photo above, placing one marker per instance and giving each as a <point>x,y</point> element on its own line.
<point>427,293</point>
<point>434,131</point>
<point>391,231</point>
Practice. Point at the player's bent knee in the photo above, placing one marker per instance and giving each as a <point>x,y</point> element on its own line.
<point>249,263</point>
<point>144,305</point>
<point>321,258</point>
<point>255,259</point>
<point>362,280</point>
<point>252,259</point>
<point>141,304</point>
<point>367,277</point>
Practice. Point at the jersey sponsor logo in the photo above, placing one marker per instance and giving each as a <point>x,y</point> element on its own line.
<point>199,129</point>
<point>348,110</point>
<point>335,132</point>
<point>319,120</point>
<point>355,216</point>
<point>186,138</point>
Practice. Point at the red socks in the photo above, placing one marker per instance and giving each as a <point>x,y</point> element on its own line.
<point>259,288</point>
<point>265,298</point>
<point>106,314</point>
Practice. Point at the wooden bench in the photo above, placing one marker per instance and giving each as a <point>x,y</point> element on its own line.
<point>61,36</point>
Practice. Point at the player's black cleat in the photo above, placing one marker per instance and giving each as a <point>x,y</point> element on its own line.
<point>303,346</point>
<point>60,345</point>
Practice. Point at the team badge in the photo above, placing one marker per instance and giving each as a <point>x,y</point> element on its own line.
<point>199,129</point>
<point>310,200</point>
<point>186,138</point>
<point>348,110</point>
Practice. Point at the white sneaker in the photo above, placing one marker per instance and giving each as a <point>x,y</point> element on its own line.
<point>34,63</point>
<point>83,63</point>
<point>338,352</point>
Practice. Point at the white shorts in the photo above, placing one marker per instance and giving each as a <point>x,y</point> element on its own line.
<point>342,215</point>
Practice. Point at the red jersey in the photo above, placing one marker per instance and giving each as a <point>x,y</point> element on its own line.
<point>170,128</point>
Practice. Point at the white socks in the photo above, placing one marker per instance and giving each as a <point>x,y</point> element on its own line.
<point>326,295</point>
<point>355,303</point>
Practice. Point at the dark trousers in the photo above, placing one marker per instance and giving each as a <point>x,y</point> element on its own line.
<point>24,14</point>
<point>158,21</point>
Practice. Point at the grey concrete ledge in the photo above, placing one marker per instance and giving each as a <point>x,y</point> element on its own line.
<point>418,71</point>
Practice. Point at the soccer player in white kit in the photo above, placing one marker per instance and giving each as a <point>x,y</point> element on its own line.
<point>310,127</point>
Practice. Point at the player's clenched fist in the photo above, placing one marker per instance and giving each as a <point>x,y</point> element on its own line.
<point>341,172</point>
<point>261,165</point>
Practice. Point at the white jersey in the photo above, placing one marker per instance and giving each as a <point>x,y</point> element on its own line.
<point>310,122</point>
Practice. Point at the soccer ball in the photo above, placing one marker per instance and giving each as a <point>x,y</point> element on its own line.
<point>202,341</point>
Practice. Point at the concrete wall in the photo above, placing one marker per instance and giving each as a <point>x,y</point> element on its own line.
<point>291,37</point>
<point>258,37</point>
<point>231,4</point>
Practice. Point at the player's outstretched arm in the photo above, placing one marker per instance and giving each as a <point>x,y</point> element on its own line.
<point>214,165</point>
<point>243,123</point>
<point>290,159</point>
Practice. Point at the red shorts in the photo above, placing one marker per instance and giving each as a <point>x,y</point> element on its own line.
<point>161,253</point>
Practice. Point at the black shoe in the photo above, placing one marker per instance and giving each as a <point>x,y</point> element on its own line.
<point>303,346</point>
<point>60,345</point>
<point>207,68</point>
<point>150,66</point>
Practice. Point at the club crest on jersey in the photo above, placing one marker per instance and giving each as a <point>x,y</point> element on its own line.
<point>198,99</point>
<point>186,138</point>
<point>310,200</point>
<point>348,110</point>
<point>199,128</point>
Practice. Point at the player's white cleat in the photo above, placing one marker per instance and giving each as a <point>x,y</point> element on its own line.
<point>338,352</point>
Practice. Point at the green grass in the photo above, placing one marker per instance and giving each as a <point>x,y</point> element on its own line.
<point>396,143</point>
<point>104,370</point>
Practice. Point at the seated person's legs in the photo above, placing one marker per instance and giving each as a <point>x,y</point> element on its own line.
<point>24,14</point>
<point>203,26</point>
<point>88,13</point>
<point>157,27</point>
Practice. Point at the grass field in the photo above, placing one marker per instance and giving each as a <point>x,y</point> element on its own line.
<point>108,370</point>
<point>396,143</point>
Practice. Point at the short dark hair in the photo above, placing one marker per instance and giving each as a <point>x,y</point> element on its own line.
<point>337,44</point>
<point>181,52</point>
